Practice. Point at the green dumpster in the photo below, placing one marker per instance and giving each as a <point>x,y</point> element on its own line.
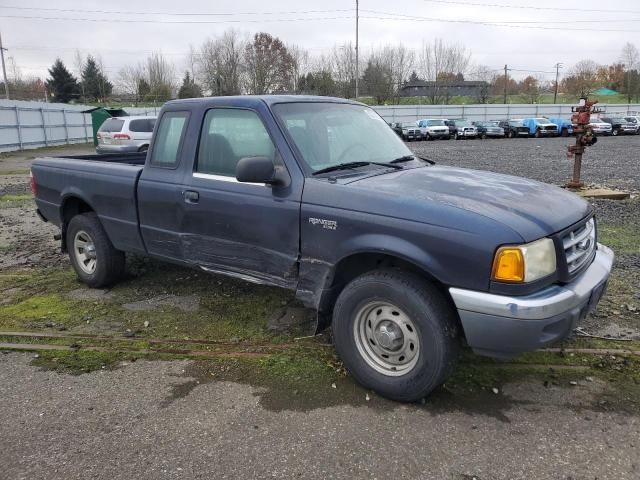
<point>99,115</point>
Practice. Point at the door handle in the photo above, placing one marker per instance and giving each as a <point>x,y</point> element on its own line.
<point>191,196</point>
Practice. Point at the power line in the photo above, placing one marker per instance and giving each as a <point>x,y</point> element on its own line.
<point>198,14</point>
<point>507,22</point>
<point>530,7</point>
<point>495,24</point>
<point>176,22</point>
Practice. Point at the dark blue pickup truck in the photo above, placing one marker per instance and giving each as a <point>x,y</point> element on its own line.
<point>405,259</point>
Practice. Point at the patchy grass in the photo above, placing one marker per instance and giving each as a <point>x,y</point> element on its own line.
<point>24,171</point>
<point>76,363</point>
<point>16,198</point>
<point>32,153</point>
<point>623,239</point>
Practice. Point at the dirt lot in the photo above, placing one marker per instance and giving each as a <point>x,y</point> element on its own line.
<point>240,392</point>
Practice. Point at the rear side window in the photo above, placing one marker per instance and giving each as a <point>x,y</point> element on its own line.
<point>111,125</point>
<point>142,125</point>
<point>168,140</point>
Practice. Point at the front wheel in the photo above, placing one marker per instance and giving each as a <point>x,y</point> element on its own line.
<point>95,260</point>
<point>538,134</point>
<point>615,132</point>
<point>396,334</point>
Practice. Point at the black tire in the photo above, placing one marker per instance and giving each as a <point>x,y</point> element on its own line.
<point>483,136</point>
<point>538,134</point>
<point>511,134</point>
<point>143,149</point>
<point>109,262</point>
<point>436,324</point>
<point>565,132</point>
<point>456,136</point>
<point>615,132</point>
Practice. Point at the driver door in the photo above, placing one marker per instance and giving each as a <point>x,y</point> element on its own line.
<point>246,230</point>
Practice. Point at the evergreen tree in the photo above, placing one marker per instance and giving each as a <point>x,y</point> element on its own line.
<point>96,85</point>
<point>62,85</point>
<point>189,88</point>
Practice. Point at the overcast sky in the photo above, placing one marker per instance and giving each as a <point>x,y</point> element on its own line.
<point>39,31</point>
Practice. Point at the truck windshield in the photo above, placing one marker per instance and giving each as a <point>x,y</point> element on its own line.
<point>328,134</point>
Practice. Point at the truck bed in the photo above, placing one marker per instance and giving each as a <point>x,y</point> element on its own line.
<point>105,183</point>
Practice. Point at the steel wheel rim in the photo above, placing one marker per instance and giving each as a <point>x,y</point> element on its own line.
<point>84,250</point>
<point>386,338</point>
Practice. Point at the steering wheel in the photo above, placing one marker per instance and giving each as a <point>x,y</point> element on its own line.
<point>351,147</point>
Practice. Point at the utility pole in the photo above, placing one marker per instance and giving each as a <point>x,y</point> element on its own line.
<point>555,92</point>
<point>506,80</point>
<point>4,70</point>
<point>357,60</point>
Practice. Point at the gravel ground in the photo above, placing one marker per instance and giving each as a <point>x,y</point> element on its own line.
<point>152,420</point>
<point>613,162</point>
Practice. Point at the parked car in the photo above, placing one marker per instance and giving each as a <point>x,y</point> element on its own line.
<point>565,127</point>
<point>407,130</point>
<point>514,128</point>
<point>541,127</point>
<point>600,127</point>
<point>620,126</point>
<point>125,134</point>
<point>402,257</point>
<point>461,129</point>
<point>489,129</point>
<point>636,121</point>
<point>432,128</point>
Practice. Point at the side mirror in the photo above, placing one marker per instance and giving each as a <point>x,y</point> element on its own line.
<point>260,170</point>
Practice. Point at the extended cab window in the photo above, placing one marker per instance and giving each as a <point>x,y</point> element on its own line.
<point>168,139</point>
<point>229,135</point>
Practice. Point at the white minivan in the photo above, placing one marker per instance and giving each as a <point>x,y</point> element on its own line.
<point>125,134</point>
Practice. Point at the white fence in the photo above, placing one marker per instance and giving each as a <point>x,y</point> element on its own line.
<point>26,125</point>
<point>408,113</point>
<point>37,124</point>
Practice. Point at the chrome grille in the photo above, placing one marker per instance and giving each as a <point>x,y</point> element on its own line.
<point>579,245</point>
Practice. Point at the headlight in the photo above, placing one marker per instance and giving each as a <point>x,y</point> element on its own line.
<point>404,130</point>
<point>524,263</point>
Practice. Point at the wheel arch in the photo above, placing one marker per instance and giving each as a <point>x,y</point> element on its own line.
<point>73,203</point>
<point>358,262</point>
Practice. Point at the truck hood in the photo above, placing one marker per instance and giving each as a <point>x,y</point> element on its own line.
<point>532,209</point>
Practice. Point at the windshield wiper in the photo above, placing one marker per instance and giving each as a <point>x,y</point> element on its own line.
<point>350,165</point>
<point>407,158</point>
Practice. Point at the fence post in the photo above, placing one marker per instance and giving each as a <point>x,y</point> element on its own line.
<point>18,126</point>
<point>44,127</point>
<point>84,126</point>
<point>66,128</point>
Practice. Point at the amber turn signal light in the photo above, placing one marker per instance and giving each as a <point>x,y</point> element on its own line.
<point>508,265</point>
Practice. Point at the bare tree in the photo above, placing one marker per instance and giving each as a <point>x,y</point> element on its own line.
<point>129,81</point>
<point>630,58</point>
<point>268,64</point>
<point>439,61</point>
<point>342,61</point>
<point>220,63</point>
<point>78,63</point>
<point>299,64</point>
<point>484,74</point>
<point>582,78</point>
<point>401,63</point>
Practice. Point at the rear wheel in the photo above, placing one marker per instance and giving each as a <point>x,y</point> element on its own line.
<point>511,134</point>
<point>396,334</point>
<point>95,260</point>
<point>143,148</point>
<point>456,136</point>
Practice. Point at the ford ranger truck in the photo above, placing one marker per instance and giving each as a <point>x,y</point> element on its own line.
<point>406,260</point>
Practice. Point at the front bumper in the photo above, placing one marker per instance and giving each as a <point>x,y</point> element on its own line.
<point>503,326</point>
